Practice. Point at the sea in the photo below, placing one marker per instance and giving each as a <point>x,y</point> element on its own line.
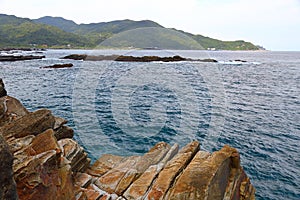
<point>249,100</point>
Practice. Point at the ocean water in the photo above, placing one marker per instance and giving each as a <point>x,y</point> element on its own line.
<point>125,108</point>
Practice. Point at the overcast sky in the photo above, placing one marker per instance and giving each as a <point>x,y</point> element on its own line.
<point>275,24</point>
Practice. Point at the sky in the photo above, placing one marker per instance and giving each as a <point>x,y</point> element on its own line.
<point>274,24</point>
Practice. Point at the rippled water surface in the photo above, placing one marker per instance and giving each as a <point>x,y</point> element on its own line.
<point>125,108</point>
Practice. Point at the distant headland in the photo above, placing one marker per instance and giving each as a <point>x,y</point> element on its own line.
<point>57,32</point>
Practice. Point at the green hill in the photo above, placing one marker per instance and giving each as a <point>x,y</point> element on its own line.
<point>59,32</point>
<point>22,32</point>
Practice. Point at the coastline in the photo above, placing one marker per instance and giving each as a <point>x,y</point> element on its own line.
<point>49,163</point>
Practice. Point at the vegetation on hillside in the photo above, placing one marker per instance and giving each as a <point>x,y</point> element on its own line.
<point>61,33</point>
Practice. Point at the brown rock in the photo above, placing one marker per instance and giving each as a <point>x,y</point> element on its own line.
<point>64,132</point>
<point>42,143</point>
<point>167,176</point>
<point>119,179</point>
<point>105,163</point>
<point>59,122</point>
<point>83,180</point>
<point>206,177</point>
<point>7,183</point>
<point>30,124</point>
<point>139,187</point>
<point>11,109</point>
<point>75,154</point>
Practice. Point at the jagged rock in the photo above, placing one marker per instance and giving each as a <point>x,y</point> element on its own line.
<point>2,89</point>
<point>64,132</point>
<point>11,109</point>
<point>83,179</point>
<point>206,177</point>
<point>105,163</point>
<point>39,170</point>
<point>167,176</point>
<point>59,122</point>
<point>30,124</point>
<point>75,154</point>
<point>7,183</point>
<point>58,66</point>
<point>119,178</point>
<point>139,188</point>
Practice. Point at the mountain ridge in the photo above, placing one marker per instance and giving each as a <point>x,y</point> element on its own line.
<point>58,32</point>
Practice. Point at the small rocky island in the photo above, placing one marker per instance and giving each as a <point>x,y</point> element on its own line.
<point>39,159</point>
<point>127,58</point>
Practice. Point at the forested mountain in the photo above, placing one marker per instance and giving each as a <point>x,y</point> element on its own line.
<point>57,32</point>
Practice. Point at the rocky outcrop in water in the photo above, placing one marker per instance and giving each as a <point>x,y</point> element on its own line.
<point>49,164</point>
<point>58,66</point>
<point>12,58</point>
<point>123,58</point>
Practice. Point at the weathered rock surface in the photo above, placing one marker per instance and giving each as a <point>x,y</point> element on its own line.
<point>11,109</point>
<point>38,152</point>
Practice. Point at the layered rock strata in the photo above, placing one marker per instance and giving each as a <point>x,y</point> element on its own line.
<point>49,164</point>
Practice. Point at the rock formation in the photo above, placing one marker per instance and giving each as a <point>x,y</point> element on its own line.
<point>122,58</point>
<point>12,58</point>
<point>49,164</point>
<point>57,66</point>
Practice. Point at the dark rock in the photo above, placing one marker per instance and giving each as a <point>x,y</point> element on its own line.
<point>58,66</point>
<point>7,184</point>
<point>149,59</point>
<point>64,132</point>
<point>2,89</point>
<point>75,57</point>
<point>18,58</point>
<point>238,60</point>
<point>208,60</point>
<point>124,58</point>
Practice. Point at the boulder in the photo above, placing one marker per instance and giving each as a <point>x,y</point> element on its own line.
<point>7,183</point>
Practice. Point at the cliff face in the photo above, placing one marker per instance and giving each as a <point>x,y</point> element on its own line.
<point>49,164</point>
